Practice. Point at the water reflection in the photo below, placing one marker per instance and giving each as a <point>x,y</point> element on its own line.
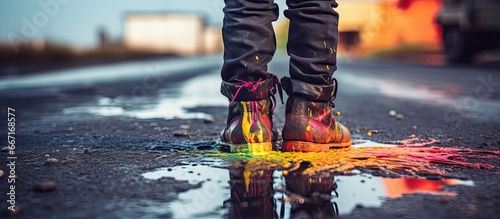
<point>246,191</point>
<point>283,194</point>
<point>259,194</point>
<point>251,194</point>
<point>311,196</point>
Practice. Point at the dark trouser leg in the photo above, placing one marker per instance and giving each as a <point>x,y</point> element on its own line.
<point>249,45</point>
<point>249,40</point>
<point>310,123</point>
<point>312,40</point>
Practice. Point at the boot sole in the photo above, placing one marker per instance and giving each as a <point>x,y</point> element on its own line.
<point>303,146</point>
<point>253,148</point>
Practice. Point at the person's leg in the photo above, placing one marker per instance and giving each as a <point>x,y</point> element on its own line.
<point>312,40</point>
<point>312,45</point>
<point>249,44</point>
<point>249,39</point>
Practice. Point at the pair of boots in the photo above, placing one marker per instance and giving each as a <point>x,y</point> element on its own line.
<point>310,125</point>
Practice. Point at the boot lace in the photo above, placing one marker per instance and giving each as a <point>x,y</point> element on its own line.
<point>332,105</point>
<point>252,87</point>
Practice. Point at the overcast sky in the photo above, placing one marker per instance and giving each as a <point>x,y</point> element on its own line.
<point>76,22</point>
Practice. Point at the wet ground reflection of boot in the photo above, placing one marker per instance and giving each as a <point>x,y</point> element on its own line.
<point>311,196</point>
<point>251,194</point>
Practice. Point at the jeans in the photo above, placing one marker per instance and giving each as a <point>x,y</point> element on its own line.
<point>250,42</point>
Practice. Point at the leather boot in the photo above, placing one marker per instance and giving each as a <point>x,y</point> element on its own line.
<point>310,123</point>
<point>249,123</point>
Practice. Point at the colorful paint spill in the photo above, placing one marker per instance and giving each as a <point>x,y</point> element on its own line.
<point>410,157</point>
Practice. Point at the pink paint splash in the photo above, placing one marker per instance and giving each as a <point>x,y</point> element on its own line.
<point>420,151</point>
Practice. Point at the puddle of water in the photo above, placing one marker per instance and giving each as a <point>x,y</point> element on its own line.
<point>99,110</point>
<point>172,104</point>
<point>368,143</point>
<point>197,203</point>
<point>267,193</point>
<point>370,191</point>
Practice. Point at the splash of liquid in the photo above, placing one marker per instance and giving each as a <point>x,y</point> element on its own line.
<point>407,157</point>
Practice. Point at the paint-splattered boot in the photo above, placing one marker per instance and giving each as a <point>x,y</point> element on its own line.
<point>310,123</point>
<point>249,124</point>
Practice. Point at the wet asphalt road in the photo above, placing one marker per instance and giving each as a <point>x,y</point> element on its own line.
<point>130,107</point>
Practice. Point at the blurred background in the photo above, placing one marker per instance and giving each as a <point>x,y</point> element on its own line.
<point>64,31</point>
<point>69,32</point>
